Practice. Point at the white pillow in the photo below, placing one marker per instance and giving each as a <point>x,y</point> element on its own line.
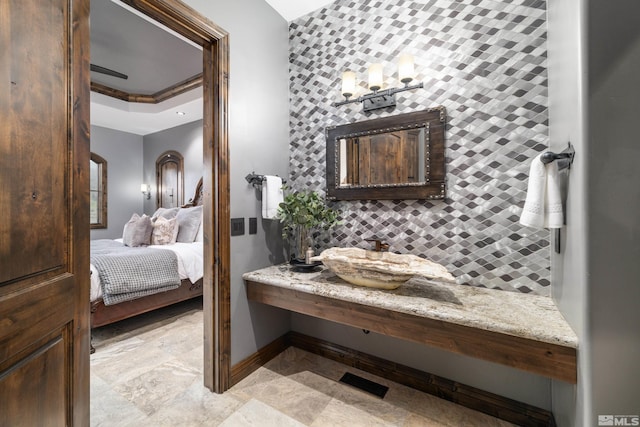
<point>137,231</point>
<point>167,213</point>
<point>164,231</point>
<point>189,220</point>
<point>200,235</point>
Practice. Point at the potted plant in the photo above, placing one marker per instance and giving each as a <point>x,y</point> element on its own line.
<point>301,213</point>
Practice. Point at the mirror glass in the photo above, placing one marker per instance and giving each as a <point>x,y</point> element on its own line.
<point>397,157</point>
<point>97,191</point>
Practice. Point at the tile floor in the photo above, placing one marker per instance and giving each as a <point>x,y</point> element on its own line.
<point>147,371</point>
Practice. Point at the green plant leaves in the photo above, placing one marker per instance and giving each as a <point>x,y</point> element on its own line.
<point>306,209</point>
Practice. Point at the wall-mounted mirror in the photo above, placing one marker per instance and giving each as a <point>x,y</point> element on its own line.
<point>397,157</point>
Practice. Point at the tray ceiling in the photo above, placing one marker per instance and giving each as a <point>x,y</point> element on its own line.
<point>154,58</point>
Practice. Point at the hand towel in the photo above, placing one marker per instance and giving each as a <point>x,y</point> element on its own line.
<point>543,204</point>
<point>272,196</point>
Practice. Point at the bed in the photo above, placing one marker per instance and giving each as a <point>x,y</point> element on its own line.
<point>186,285</point>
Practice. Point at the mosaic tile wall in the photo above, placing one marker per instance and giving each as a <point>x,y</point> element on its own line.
<point>485,61</point>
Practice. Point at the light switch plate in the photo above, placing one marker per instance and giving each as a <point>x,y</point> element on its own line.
<point>237,226</point>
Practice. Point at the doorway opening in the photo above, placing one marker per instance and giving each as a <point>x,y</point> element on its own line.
<point>194,27</point>
<point>170,179</point>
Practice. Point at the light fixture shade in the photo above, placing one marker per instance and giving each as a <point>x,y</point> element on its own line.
<point>406,70</point>
<point>375,77</point>
<point>348,83</point>
<point>144,188</point>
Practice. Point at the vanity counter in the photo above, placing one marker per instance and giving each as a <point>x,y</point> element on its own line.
<point>520,330</point>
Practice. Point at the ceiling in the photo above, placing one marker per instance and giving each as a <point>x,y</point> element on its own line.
<point>154,58</point>
<point>292,9</point>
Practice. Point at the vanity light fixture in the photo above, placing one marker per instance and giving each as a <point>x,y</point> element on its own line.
<point>378,98</point>
<point>146,190</point>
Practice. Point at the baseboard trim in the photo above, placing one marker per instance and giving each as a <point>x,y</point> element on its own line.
<point>245,367</point>
<point>492,404</point>
<point>489,403</point>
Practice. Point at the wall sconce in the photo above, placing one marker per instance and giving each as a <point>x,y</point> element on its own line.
<point>146,190</point>
<point>378,98</point>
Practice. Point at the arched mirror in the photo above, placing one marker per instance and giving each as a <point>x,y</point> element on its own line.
<point>98,191</point>
<point>169,180</point>
<point>397,157</point>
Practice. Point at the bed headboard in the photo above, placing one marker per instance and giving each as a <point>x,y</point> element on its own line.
<point>196,200</point>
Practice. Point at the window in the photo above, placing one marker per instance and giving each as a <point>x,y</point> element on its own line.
<point>98,191</point>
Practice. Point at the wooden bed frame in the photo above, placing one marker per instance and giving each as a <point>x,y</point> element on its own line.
<point>106,314</point>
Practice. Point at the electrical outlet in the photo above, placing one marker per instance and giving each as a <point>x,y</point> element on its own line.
<point>237,226</point>
<point>253,225</point>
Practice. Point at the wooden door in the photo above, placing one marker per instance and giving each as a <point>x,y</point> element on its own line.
<point>44,213</point>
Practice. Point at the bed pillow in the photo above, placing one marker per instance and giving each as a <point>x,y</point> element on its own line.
<point>199,235</point>
<point>137,231</point>
<point>188,223</point>
<point>164,231</point>
<point>167,213</point>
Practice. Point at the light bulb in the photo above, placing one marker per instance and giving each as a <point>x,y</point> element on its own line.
<point>375,77</point>
<point>405,68</point>
<point>348,83</point>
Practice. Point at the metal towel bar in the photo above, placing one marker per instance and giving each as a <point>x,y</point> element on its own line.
<point>256,179</point>
<point>565,158</point>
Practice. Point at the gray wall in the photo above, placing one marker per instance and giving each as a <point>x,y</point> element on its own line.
<point>567,109</point>
<point>258,140</point>
<point>613,205</point>
<point>594,58</point>
<point>486,63</point>
<point>123,153</point>
<point>186,140</point>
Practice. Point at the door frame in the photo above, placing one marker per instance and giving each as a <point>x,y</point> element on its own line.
<point>216,215</point>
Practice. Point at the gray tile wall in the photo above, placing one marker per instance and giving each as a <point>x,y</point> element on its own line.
<point>485,61</point>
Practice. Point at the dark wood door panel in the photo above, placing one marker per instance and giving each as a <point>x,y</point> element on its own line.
<point>33,138</point>
<point>37,385</point>
<point>44,212</point>
<point>28,315</point>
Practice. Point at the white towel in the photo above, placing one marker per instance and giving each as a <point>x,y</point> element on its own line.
<point>543,205</point>
<point>272,196</point>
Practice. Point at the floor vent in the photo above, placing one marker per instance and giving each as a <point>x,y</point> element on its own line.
<point>364,384</point>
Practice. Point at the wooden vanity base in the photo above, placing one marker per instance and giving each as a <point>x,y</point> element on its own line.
<point>550,360</point>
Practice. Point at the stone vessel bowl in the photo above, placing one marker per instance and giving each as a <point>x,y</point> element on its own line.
<point>383,270</point>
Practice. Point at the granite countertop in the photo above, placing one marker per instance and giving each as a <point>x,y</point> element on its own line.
<point>522,315</point>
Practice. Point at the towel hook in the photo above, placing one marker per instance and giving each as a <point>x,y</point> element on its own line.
<point>567,155</point>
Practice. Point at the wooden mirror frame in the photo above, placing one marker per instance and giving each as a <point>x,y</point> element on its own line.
<point>434,122</point>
